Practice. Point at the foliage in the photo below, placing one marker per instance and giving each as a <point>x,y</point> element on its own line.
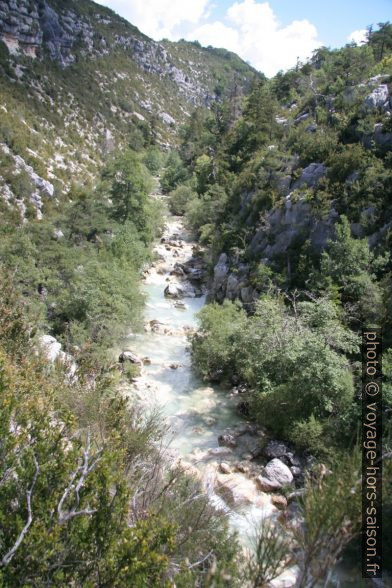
<point>85,497</point>
<point>181,199</point>
<point>174,173</point>
<point>331,512</point>
<point>291,358</point>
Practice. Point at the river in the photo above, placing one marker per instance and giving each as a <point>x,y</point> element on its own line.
<point>197,414</point>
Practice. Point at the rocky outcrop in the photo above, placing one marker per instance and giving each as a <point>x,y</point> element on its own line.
<point>31,26</point>
<point>20,26</point>
<point>40,188</point>
<point>310,176</point>
<point>52,350</point>
<point>384,139</point>
<point>39,27</point>
<point>379,99</point>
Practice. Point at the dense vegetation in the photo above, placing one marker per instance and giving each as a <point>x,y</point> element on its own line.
<point>234,172</point>
<point>79,265</point>
<point>85,496</point>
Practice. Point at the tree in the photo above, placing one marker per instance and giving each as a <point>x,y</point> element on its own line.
<point>349,263</point>
<point>381,40</point>
<point>129,185</point>
<point>175,172</point>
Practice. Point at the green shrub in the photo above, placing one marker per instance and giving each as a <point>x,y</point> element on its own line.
<point>181,199</point>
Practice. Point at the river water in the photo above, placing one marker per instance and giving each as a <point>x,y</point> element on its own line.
<point>197,413</point>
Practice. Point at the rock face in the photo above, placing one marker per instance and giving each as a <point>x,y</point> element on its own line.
<point>52,350</point>
<point>379,99</point>
<point>32,27</point>
<point>40,188</point>
<point>381,138</point>
<point>221,271</point>
<point>310,176</point>
<point>29,27</point>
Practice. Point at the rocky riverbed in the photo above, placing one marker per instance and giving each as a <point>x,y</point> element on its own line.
<point>245,474</point>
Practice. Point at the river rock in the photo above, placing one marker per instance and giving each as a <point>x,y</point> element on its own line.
<point>279,501</point>
<point>174,366</point>
<point>295,495</point>
<point>267,485</point>
<point>190,469</point>
<point>275,449</point>
<point>129,356</point>
<point>180,304</point>
<point>249,443</point>
<point>177,271</point>
<point>243,468</point>
<point>227,440</point>
<point>278,472</point>
<point>173,291</point>
<point>296,471</point>
<point>219,451</point>
<point>238,490</point>
<point>224,468</point>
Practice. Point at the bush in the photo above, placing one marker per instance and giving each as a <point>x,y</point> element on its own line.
<point>290,358</point>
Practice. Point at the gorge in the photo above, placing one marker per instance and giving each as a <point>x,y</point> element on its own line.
<point>188,254</point>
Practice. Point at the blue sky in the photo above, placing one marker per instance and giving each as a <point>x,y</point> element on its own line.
<point>269,35</point>
<point>334,19</point>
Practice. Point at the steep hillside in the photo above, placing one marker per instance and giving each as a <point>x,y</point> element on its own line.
<point>76,80</point>
<point>313,144</point>
<point>293,201</point>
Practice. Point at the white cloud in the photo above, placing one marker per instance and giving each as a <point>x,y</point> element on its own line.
<point>159,18</point>
<point>359,37</point>
<point>250,28</point>
<point>253,31</point>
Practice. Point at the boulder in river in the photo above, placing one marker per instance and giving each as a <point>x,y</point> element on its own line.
<point>266,485</point>
<point>278,472</point>
<point>130,356</point>
<point>238,490</point>
<point>180,304</point>
<point>279,501</point>
<point>224,468</point>
<point>173,291</point>
<point>227,440</point>
<point>174,366</point>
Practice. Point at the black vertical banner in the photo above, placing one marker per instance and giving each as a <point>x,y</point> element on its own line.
<point>371,453</point>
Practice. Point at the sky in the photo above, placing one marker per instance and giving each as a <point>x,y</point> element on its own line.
<point>271,36</point>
